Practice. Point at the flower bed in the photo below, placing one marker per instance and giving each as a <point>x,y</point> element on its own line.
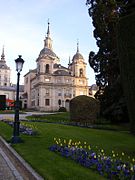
<point>24,127</point>
<point>111,167</point>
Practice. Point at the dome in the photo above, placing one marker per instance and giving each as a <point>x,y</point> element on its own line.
<point>3,66</point>
<point>47,51</point>
<point>77,56</point>
<point>61,73</point>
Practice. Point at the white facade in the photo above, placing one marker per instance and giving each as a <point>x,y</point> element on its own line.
<point>4,71</point>
<point>6,88</point>
<point>51,85</point>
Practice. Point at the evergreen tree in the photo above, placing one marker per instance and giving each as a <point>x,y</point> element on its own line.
<point>105,15</point>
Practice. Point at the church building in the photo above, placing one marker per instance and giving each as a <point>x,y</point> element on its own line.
<point>51,85</point>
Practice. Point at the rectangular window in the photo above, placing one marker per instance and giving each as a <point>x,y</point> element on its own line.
<point>47,92</point>
<point>47,102</point>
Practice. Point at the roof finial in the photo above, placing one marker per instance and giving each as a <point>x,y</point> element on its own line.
<point>69,61</point>
<point>77,45</point>
<point>48,30</point>
<point>3,55</point>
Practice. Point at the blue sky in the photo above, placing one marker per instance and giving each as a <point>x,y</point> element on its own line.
<point>23,27</point>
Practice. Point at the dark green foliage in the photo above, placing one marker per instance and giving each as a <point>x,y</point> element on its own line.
<point>126,44</point>
<point>84,109</point>
<point>62,109</point>
<point>113,105</point>
<point>105,15</point>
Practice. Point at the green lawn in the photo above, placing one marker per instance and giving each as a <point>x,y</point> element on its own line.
<point>54,167</point>
<point>58,117</point>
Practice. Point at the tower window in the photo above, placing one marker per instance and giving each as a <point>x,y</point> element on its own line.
<point>81,72</point>
<point>47,68</point>
<point>47,102</point>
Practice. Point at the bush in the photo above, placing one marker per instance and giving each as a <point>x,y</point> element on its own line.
<point>62,109</point>
<point>84,109</point>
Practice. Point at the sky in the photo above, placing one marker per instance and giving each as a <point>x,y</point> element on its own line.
<point>23,27</point>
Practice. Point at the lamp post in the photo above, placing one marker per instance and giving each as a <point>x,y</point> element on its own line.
<point>16,139</point>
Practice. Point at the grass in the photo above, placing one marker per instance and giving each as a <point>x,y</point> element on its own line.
<point>65,117</point>
<point>10,112</point>
<point>59,117</point>
<point>54,167</point>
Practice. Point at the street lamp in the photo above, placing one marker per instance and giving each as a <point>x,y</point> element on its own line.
<point>16,139</point>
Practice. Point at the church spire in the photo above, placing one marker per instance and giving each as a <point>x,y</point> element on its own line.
<point>77,46</point>
<point>3,55</point>
<point>48,30</point>
<point>69,61</point>
<point>48,41</point>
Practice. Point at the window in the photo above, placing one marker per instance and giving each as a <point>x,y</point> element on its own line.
<point>47,92</point>
<point>37,102</point>
<point>59,102</point>
<point>5,78</point>
<point>47,102</point>
<point>47,68</point>
<point>81,72</point>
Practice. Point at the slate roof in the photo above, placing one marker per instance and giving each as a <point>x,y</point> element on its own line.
<point>47,51</point>
<point>61,73</point>
<point>12,88</point>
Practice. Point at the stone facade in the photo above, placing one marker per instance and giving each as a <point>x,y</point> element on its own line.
<point>6,88</point>
<point>4,71</point>
<point>51,85</point>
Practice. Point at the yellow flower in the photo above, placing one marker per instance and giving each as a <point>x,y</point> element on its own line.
<point>84,142</point>
<point>113,155</point>
<point>54,139</point>
<point>85,147</point>
<point>64,141</point>
<point>133,160</point>
<point>81,147</point>
<point>132,168</point>
<point>122,153</point>
<point>61,144</point>
<point>95,156</point>
<point>112,152</point>
<point>89,147</point>
<point>102,150</point>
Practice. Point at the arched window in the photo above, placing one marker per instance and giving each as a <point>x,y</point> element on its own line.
<point>81,72</point>
<point>47,68</point>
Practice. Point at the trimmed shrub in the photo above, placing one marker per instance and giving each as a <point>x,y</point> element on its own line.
<point>84,109</point>
<point>62,109</point>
